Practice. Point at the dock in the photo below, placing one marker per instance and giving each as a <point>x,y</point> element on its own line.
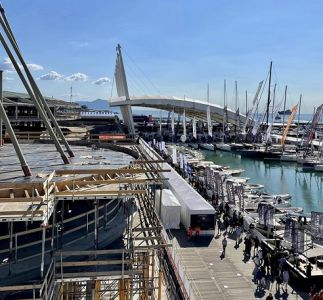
<point>211,277</point>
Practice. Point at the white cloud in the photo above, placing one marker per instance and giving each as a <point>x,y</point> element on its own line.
<point>52,75</point>
<point>35,67</point>
<point>6,65</point>
<point>77,77</point>
<point>5,78</point>
<point>102,81</point>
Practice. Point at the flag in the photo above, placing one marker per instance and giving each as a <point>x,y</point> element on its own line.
<point>184,123</point>
<point>194,128</point>
<point>209,121</point>
<point>289,121</point>
<point>173,122</point>
<point>174,156</point>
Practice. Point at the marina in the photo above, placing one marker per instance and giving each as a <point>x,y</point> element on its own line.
<point>213,201</point>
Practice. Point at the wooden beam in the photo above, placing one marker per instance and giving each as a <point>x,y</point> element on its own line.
<point>94,275</point>
<point>90,252</point>
<point>20,185</point>
<point>148,247</point>
<point>37,192</point>
<point>12,195</point>
<point>147,238</point>
<point>109,171</point>
<point>108,181</point>
<point>147,229</point>
<point>21,199</point>
<point>149,161</point>
<point>93,263</point>
<point>102,193</point>
<point>27,194</point>
<point>23,213</point>
<point>19,287</point>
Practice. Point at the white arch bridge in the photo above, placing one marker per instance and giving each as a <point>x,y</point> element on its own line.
<point>193,108</point>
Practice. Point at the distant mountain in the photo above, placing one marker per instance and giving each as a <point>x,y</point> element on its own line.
<point>96,104</point>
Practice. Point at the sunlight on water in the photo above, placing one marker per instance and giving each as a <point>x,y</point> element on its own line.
<point>278,178</point>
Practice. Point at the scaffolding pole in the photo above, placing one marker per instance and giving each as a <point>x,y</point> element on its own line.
<point>13,138</point>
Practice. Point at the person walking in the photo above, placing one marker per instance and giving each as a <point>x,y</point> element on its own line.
<point>256,245</point>
<point>224,245</point>
<point>285,279</point>
<point>238,236</point>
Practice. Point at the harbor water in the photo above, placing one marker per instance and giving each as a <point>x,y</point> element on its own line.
<point>278,178</point>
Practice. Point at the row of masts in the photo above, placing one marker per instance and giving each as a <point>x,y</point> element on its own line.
<point>254,121</point>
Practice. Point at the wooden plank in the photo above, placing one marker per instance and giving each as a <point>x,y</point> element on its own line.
<point>22,199</point>
<point>91,252</point>
<point>26,194</point>
<point>19,213</point>
<point>147,238</point>
<point>97,274</point>
<point>149,161</point>
<point>19,287</point>
<point>148,247</point>
<point>100,193</point>
<point>20,185</point>
<point>93,263</point>
<point>147,229</point>
<point>109,171</point>
<point>109,181</point>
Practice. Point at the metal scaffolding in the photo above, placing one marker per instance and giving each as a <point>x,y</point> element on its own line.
<point>132,272</point>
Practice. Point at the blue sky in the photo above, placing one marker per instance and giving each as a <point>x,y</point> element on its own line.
<point>180,46</point>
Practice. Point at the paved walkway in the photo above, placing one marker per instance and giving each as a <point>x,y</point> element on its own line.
<point>212,277</point>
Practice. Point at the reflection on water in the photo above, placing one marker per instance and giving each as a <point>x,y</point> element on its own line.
<point>278,178</point>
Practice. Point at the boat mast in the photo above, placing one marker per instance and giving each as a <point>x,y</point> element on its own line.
<point>246,103</point>
<point>268,99</point>
<point>224,109</point>
<point>285,97</point>
<point>236,109</point>
<point>299,115</point>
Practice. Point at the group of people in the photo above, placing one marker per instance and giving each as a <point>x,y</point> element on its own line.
<point>268,266</point>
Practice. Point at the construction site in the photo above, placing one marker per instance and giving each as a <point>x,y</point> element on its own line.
<point>77,222</point>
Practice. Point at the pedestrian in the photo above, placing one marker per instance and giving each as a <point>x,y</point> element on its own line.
<point>259,253</point>
<point>270,297</point>
<point>238,236</point>
<point>256,245</point>
<point>285,279</point>
<point>224,245</point>
<point>279,281</point>
<point>219,227</point>
<point>267,262</point>
<point>281,264</point>
<point>256,260</point>
<point>309,268</point>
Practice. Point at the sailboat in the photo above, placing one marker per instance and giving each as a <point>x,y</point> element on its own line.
<point>208,146</point>
<point>263,151</point>
<point>289,156</point>
<point>224,146</point>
